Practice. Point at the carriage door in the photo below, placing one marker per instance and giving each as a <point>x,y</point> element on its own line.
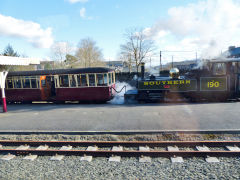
<point>45,87</point>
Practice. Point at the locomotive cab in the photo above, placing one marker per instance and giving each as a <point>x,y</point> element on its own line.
<point>228,68</point>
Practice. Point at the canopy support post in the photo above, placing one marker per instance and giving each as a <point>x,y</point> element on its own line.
<point>3,76</point>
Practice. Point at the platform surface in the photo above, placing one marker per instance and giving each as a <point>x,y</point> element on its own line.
<point>108,117</point>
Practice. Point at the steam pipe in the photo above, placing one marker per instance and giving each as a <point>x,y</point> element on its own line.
<point>160,66</point>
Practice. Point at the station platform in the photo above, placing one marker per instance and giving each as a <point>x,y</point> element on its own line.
<point>109,117</point>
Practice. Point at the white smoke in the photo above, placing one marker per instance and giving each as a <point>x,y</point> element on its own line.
<point>207,26</point>
<point>119,97</point>
<point>200,64</point>
<point>153,71</point>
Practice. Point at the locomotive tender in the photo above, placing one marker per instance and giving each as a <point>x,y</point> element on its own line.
<point>218,80</point>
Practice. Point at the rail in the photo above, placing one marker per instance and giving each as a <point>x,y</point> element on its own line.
<point>150,148</point>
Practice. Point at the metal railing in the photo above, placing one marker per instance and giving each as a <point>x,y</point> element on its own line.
<point>124,87</point>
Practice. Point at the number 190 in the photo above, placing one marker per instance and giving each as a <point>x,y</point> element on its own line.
<point>213,84</point>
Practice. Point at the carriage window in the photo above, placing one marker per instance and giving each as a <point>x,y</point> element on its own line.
<point>10,83</point>
<point>91,79</point>
<point>56,81</point>
<point>26,82</point>
<point>100,80</point>
<point>219,69</point>
<point>72,81</point>
<point>110,78</point>
<point>63,81</point>
<point>81,79</point>
<point>34,83</point>
<point>43,83</point>
<point>17,83</point>
<point>105,79</point>
<point>113,78</point>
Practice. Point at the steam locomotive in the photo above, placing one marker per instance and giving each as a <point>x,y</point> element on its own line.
<point>217,80</point>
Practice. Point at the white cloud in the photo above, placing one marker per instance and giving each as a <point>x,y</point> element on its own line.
<point>148,32</point>
<point>27,30</point>
<point>76,1</point>
<point>208,26</point>
<point>83,12</point>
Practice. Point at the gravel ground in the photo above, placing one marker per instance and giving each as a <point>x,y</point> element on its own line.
<point>111,137</point>
<point>129,168</point>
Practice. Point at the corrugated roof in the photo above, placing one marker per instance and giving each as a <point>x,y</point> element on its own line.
<point>8,60</point>
<point>235,51</point>
<point>225,60</point>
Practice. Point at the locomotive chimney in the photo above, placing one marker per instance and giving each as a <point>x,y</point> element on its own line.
<point>142,69</point>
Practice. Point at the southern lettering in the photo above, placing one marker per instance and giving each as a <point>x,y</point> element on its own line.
<point>152,83</point>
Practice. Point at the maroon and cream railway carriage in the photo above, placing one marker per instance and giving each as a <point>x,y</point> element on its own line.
<point>83,85</point>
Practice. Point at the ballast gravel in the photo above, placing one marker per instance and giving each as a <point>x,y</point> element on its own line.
<point>126,137</point>
<point>128,168</point>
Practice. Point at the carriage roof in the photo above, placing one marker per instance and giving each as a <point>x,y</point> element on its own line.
<point>61,71</point>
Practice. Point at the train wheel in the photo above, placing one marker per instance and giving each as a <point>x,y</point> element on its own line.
<point>222,99</point>
<point>101,102</point>
<point>26,102</point>
<point>141,101</point>
<point>59,102</point>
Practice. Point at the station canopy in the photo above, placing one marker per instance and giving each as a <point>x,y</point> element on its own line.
<point>224,60</point>
<point>18,61</point>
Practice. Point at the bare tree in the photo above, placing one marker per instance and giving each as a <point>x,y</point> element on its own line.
<point>88,54</point>
<point>71,61</point>
<point>127,61</point>
<point>138,47</point>
<point>59,52</point>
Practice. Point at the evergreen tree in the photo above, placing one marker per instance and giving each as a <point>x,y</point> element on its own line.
<point>9,51</point>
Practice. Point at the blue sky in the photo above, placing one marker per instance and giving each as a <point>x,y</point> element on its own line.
<point>33,26</point>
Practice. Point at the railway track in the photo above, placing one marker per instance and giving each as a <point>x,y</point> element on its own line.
<point>140,149</point>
